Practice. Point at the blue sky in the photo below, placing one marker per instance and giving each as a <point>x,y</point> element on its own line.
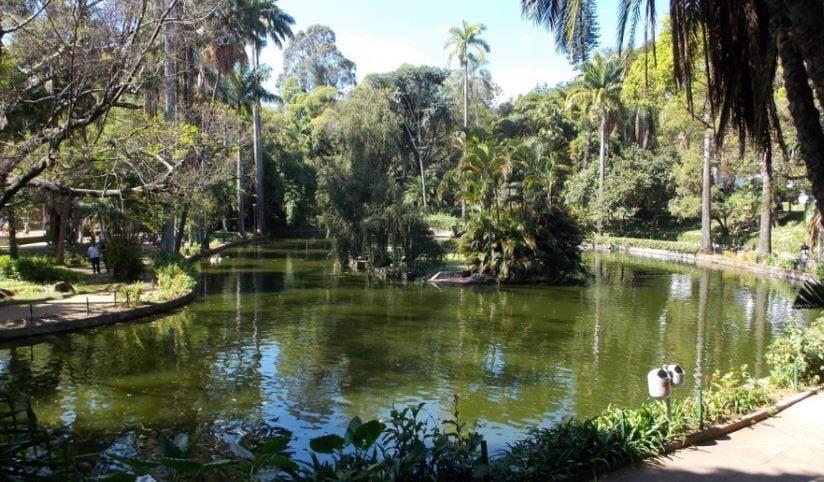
<point>380,35</point>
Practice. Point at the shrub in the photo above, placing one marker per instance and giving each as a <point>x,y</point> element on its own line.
<point>734,394</point>
<point>441,221</point>
<point>37,269</point>
<point>131,293</point>
<point>173,280</point>
<point>191,249</point>
<point>123,258</point>
<point>677,246</point>
<point>801,351</point>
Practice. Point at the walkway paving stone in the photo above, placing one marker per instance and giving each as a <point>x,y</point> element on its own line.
<point>787,447</point>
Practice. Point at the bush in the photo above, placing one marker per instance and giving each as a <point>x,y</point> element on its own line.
<point>175,276</point>
<point>441,221</point>
<point>191,249</point>
<point>122,257</point>
<point>677,246</point>
<point>801,350</point>
<point>131,293</point>
<point>37,269</point>
<point>734,394</point>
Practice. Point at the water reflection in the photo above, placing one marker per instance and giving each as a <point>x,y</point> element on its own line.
<point>285,338</point>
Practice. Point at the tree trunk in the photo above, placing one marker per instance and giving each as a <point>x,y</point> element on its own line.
<point>260,172</point>
<point>465,122</point>
<point>807,35</point>
<point>181,227</point>
<point>765,230</point>
<point>170,92</point>
<point>602,164</point>
<point>13,252</point>
<point>241,212</point>
<point>706,191</point>
<point>60,242</point>
<point>167,240</point>
<point>466,95</point>
<point>420,164</point>
<point>805,116</point>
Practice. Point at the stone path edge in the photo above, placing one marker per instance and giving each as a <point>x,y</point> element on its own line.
<point>719,430</point>
<point>57,324</point>
<point>704,259</point>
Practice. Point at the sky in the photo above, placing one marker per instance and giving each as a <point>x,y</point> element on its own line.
<point>381,35</point>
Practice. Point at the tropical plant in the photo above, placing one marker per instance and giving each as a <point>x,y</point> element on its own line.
<point>598,92</point>
<point>257,21</point>
<point>798,355</point>
<point>738,45</point>
<point>37,269</point>
<point>467,45</point>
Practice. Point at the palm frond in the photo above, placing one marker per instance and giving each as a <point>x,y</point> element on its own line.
<point>810,296</point>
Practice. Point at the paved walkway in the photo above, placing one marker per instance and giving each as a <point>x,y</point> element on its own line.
<point>787,447</point>
<point>74,306</point>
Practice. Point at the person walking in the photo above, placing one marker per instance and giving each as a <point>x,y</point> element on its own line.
<point>94,256</point>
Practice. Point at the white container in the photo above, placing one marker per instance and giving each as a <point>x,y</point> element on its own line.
<point>676,374</point>
<point>658,381</point>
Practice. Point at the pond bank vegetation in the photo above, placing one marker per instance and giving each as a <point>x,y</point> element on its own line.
<point>407,447</point>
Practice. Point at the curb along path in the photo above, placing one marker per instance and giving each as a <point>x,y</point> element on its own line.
<point>86,310</point>
<point>786,447</point>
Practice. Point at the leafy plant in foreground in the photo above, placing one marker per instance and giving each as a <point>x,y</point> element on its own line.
<point>800,352</point>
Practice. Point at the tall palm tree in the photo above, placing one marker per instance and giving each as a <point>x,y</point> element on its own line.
<point>468,47</point>
<point>256,22</point>
<point>598,92</point>
<point>740,44</point>
<point>239,90</point>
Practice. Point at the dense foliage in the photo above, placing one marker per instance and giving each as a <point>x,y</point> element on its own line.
<point>36,269</point>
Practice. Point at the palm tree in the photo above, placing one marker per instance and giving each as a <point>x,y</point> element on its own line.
<point>541,169</point>
<point>598,92</point>
<point>740,44</point>
<point>240,89</point>
<point>257,21</point>
<point>468,47</point>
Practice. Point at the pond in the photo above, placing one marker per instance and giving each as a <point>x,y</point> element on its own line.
<point>281,337</point>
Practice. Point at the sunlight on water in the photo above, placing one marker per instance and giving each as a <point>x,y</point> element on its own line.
<point>283,338</point>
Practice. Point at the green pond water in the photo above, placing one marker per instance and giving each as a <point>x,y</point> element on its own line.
<point>281,337</point>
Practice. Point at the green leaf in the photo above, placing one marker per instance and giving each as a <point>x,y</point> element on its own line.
<point>366,434</point>
<point>167,447</point>
<point>283,463</point>
<point>271,447</point>
<point>327,444</point>
<point>118,477</point>
<point>137,464</point>
<point>218,463</point>
<point>241,451</point>
<point>184,466</point>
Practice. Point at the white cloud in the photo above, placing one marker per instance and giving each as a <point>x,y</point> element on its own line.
<point>374,54</point>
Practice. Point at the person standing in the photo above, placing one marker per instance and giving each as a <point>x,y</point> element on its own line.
<point>94,256</point>
<point>805,256</point>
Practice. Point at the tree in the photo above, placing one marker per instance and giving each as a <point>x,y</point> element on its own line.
<point>76,62</point>
<point>598,91</point>
<point>314,60</point>
<point>469,48</point>
<point>257,21</point>
<point>422,104</point>
<point>739,45</point>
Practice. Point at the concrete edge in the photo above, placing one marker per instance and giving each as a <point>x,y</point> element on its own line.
<point>706,260</point>
<point>222,247</point>
<point>58,324</point>
<point>719,430</point>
